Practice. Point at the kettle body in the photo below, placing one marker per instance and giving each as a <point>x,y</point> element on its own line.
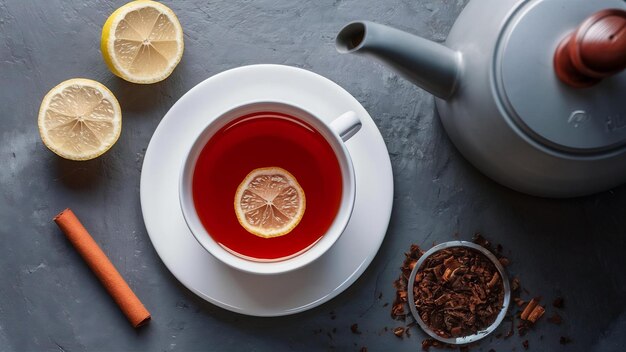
<point>502,104</point>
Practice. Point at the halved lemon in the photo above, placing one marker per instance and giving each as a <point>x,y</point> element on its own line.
<point>142,42</point>
<point>269,202</point>
<point>79,119</point>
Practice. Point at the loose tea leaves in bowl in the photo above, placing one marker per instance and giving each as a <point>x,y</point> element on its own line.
<point>458,292</point>
<point>524,314</point>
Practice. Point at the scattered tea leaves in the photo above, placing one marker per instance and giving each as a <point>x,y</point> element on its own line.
<point>558,302</point>
<point>555,319</point>
<point>399,331</point>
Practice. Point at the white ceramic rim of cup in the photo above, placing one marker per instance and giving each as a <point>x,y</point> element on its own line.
<point>291,263</point>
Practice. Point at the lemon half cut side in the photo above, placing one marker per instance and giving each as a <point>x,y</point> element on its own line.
<point>142,42</point>
<point>79,119</point>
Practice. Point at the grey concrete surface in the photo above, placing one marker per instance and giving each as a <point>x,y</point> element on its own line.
<point>50,301</point>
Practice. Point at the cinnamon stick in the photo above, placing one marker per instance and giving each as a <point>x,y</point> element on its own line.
<point>102,267</point>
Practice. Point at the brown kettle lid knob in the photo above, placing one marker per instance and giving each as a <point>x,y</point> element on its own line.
<point>596,50</point>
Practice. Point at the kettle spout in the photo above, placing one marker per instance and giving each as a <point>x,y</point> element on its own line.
<point>429,65</point>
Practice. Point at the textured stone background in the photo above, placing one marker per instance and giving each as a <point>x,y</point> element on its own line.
<point>49,300</point>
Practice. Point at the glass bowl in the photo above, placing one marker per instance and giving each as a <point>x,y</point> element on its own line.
<point>480,334</point>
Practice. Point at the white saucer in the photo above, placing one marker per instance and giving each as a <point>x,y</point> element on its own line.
<point>231,289</point>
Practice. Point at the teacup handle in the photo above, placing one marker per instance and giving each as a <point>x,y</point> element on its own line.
<point>346,125</point>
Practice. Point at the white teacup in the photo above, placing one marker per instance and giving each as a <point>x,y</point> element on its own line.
<point>336,133</point>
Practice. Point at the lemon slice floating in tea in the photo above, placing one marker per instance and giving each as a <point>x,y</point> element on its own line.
<point>269,202</point>
<point>142,42</point>
<point>79,119</point>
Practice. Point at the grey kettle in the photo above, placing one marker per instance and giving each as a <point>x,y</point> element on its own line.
<point>531,92</point>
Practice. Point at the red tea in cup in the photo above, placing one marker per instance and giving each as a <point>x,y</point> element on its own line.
<point>266,140</point>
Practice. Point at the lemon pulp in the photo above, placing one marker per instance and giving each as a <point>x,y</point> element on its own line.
<point>269,202</point>
<point>79,119</point>
<point>142,42</point>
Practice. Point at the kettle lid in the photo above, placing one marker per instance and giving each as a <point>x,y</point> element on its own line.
<point>560,77</point>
